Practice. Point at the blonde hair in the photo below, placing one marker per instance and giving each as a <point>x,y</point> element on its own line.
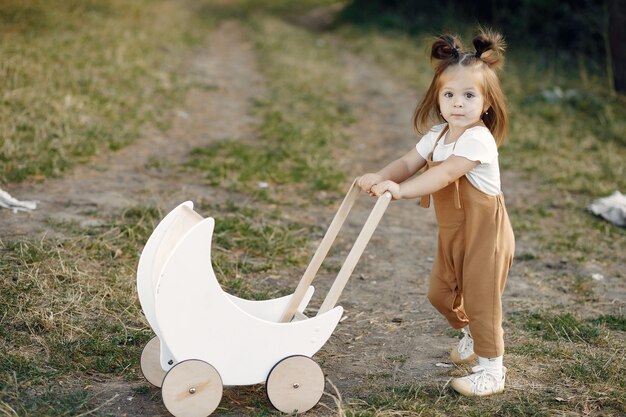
<point>447,51</point>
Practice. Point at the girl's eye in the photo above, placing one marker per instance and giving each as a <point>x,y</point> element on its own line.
<point>469,95</point>
<point>447,94</point>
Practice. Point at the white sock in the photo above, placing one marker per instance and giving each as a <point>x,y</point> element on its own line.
<point>492,365</point>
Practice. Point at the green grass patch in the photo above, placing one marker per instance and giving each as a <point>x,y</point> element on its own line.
<point>548,134</point>
<point>576,360</point>
<point>580,357</point>
<point>611,321</point>
<point>54,402</point>
<point>248,241</point>
<point>564,327</point>
<point>533,348</point>
<point>284,155</point>
<point>248,229</point>
<point>108,348</point>
<point>592,367</point>
<point>561,227</point>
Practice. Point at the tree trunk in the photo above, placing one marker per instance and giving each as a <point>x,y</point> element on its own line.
<point>617,42</point>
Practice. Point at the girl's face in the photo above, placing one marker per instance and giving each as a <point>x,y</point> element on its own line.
<point>461,99</point>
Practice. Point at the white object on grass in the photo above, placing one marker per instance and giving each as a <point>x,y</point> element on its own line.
<point>444,365</point>
<point>611,208</point>
<point>597,277</point>
<point>14,204</point>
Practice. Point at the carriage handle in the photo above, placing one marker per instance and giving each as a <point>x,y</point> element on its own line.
<point>353,257</point>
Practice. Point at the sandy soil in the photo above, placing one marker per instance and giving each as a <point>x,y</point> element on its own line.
<point>390,334</point>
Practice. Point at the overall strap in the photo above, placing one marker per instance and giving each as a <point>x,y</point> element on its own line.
<point>457,195</point>
<point>425,199</point>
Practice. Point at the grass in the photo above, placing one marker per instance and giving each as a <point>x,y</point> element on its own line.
<point>611,321</point>
<point>402,55</point>
<point>576,366</point>
<point>416,401</point>
<point>285,155</point>
<point>560,327</point>
<point>249,242</point>
<point>585,354</point>
<point>69,311</point>
<point>244,9</point>
<point>81,77</point>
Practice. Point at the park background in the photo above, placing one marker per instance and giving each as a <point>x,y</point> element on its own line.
<point>89,86</point>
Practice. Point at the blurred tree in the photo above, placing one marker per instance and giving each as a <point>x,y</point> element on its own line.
<point>575,31</point>
<point>617,41</point>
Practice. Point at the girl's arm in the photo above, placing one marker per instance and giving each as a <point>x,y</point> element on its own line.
<point>396,171</point>
<point>430,181</point>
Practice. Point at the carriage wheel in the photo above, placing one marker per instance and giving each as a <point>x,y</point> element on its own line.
<point>151,363</point>
<point>192,388</point>
<point>295,384</point>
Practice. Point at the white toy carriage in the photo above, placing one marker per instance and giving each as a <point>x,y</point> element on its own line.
<point>206,338</point>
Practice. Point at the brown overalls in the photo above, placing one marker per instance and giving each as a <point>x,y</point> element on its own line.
<point>474,253</point>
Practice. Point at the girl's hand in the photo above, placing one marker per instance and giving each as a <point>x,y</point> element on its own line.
<point>380,189</point>
<point>367,181</point>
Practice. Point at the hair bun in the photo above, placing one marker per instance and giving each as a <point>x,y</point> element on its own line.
<point>490,47</point>
<point>445,47</point>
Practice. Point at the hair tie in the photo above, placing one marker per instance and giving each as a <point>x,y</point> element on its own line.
<point>478,54</point>
<point>455,52</point>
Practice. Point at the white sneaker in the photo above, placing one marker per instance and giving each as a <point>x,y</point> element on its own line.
<point>464,351</point>
<point>480,383</point>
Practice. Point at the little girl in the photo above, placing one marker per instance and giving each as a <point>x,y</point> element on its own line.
<point>464,117</point>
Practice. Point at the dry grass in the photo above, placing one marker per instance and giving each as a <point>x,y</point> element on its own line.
<point>81,77</point>
<point>69,310</point>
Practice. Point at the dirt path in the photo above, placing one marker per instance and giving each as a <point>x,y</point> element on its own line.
<point>390,334</point>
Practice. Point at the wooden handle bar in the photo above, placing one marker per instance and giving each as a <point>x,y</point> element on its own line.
<point>321,252</point>
<point>350,262</point>
<point>355,253</point>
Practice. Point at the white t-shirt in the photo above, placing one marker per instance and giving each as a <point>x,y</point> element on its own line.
<point>476,144</point>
